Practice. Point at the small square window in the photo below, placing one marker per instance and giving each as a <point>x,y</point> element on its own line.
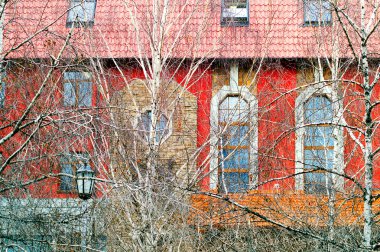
<point>69,164</point>
<point>77,89</point>
<point>81,13</point>
<point>317,12</point>
<point>235,12</point>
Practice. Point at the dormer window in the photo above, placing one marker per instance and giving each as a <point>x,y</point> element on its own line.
<point>317,12</point>
<point>81,13</point>
<point>235,12</point>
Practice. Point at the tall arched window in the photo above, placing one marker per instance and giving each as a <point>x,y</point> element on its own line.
<point>318,144</point>
<point>234,156</point>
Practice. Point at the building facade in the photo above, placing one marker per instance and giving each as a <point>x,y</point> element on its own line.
<point>265,108</point>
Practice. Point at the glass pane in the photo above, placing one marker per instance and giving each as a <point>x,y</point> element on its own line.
<point>2,94</point>
<point>315,159</point>
<point>235,159</point>
<point>66,181</point>
<point>81,12</point>
<point>72,75</point>
<point>326,11</point>
<point>318,109</point>
<point>68,94</point>
<point>162,128</point>
<point>85,94</point>
<point>317,11</point>
<point>234,182</point>
<point>89,8</point>
<point>315,183</point>
<point>233,109</point>
<point>319,136</point>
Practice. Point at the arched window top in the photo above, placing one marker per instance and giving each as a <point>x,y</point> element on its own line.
<point>234,155</point>
<point>318,109</point>
<point>233,143</point>
<point>233,109</point>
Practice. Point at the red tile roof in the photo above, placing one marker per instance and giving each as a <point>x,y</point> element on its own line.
<point>275,30</point>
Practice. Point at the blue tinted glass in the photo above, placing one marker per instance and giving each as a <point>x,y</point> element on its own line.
<point>66,181</point>
<point>243,158</point>
<point>2,93</point>
<point>85,94</point>
<point>319,136</point>
<point>315,183</point>
<point>235,159</point>
<point>326,11</point>
<point>317,11</point>
<point>234,182</point>
<point>229,159</point>
<point>162,128</point>
<point>318,109</point>
<point>315,159</point>
<point>81,12</point>
<point>68,94</point>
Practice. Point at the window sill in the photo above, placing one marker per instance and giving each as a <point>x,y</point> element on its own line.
<point>234,24</point>
<point>317,24</point>
<point>88,24</point>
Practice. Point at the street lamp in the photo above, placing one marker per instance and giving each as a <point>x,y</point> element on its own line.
<point>85,181</point>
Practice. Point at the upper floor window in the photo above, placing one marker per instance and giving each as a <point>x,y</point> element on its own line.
<point>235,12</point>
<point>77,89</point>
<point>145,126</point>
<point>318,144</point>
<point>81,13</point>
<point>317,12</point>
<point>69,164</point>
<point>234,143</point>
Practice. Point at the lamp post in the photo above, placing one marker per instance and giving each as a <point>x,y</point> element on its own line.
<point>85,185</point>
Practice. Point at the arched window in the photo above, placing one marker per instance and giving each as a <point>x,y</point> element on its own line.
<point>318,144</point>
<point>234,157</point>
<point>233,143</point>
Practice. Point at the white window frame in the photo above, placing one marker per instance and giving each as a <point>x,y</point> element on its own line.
<point>320,89</point>
<point>224,92</point>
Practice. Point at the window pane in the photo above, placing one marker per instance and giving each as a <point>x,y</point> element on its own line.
<point>315,183</point>
<point>318,109</point>
<point>2,93</point>
<point>317,11</point>
<point>319,136</point>
<point>81,12</point>
<point>66,181</point>
<point>89,9</point>
<point>145,125</point>
<point>85,94</point>
<point>162,128</point>
<point>234,182</point>
<point>68,94</point>
<point>315,159</point>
